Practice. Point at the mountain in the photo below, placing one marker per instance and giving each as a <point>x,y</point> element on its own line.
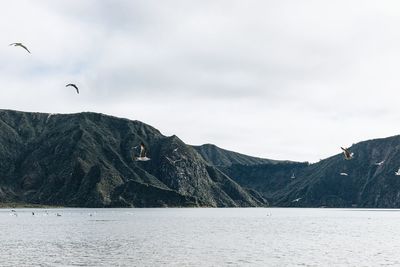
<point>332,182</point>
<point>261,175</point>
<point>366,184</point>
<point>87,160</point>
<point>223,158</point>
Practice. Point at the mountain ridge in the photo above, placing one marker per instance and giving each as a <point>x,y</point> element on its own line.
<point>85,159</point>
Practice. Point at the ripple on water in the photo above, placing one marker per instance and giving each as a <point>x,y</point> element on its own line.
<point>199,237</point>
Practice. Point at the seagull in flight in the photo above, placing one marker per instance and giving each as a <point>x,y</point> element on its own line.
<point>73,85</point>
<point>398,172</point>
<point>21,45</point>
<point>175,150</point>
<point>296,200</point>
<point>379,163</point>
<point>344,174</point>
<point>142,155</point>
<point>172,161</point>
<point>347,154</point>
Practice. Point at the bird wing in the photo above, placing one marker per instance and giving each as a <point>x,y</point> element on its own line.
<point>142,151</point>
<point>24,47</point>
<point>170,160</point>
<point>73,85</point>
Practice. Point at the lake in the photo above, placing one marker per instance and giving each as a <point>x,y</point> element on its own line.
<point>199,237</point>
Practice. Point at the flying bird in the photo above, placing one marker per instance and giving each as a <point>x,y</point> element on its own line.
<point>172,161</point>
<point>379,163</point>
<point>21,45</point>
<point>398,172</point>
<point>296,200</point>
<point>73,85</point>
<point>347,154</point>
<point>344,174</point>
<point>175,150</point>
<point>143,152</point>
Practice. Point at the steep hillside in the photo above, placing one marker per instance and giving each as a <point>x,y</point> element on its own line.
<point>332,182</point>
<point>366,184</point>
<point>86,159</point>
<point>224,158</point>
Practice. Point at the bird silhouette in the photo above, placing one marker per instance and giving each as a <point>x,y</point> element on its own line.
<point>21,45</point>
<point>73,85</point>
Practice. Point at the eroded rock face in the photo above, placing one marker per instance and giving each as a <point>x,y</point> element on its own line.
<point>87,160</point>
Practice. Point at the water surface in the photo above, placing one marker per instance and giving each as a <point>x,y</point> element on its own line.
<point>199,237</point>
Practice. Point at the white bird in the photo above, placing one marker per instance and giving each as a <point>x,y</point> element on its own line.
<point>73,85</point>
<point>398,172</point>
<point>347,154</point>
<point>344,174</point>
<point>296,200</point>
<point>172,161</point>
<point>175,150</point>
<point>379,163</point>
<point>143,152</point>
<point>21,45</point>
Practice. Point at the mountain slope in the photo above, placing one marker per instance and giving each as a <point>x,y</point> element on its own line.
<point>86,159</point>
<point>366,185</point>
<point>224,158</point>
<point>321,184</point>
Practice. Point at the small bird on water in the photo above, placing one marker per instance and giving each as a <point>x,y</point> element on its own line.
<point>397,173</point>
<point>21,45</point>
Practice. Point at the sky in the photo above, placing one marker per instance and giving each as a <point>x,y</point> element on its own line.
<point>275,79</point>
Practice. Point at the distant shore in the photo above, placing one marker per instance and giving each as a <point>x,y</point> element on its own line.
<point>27,205</point>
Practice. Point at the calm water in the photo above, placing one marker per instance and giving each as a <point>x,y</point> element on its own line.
<point>199,237</point>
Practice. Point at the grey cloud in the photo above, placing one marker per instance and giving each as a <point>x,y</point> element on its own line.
<point>288,75</point>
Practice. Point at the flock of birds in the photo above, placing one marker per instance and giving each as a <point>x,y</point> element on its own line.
<point>347,156</point>
<point>143,155</point>
<point>24,47</point>
<point>46,213</point>
<point>143,149</point>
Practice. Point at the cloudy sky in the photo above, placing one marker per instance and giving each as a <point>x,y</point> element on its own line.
<point>276,79</point>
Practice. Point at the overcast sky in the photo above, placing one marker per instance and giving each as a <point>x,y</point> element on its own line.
<point>277,79</point>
